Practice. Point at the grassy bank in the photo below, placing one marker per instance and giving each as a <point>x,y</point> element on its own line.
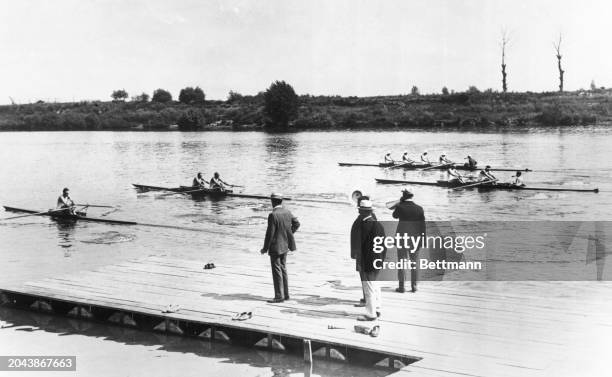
<point>459,110</point>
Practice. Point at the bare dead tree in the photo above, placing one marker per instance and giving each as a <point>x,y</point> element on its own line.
<point>561,71</point>
<point>504,43</point>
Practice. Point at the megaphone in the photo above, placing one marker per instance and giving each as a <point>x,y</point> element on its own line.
<point>356,195</point>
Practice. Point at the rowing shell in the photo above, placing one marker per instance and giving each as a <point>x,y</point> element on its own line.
<point>195,192</point>
<point>419,165</point>
<point>69,216</point>
<point>499,186</point>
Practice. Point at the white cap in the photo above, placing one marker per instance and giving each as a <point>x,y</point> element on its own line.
<point>365,204</point>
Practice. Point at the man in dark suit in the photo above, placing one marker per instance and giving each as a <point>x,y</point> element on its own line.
<point>279,240</point>
<point>363,234</point>
<point>411,222</point>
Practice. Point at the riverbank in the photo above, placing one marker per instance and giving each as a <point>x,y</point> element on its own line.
<point>469,110</point>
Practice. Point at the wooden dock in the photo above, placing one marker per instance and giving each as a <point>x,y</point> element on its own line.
<point>446,329</point>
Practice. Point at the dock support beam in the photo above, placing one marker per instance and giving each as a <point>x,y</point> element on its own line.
<point>307,351</point>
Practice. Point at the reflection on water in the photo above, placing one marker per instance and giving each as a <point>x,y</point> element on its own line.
<point>198,357</point>
<point>280,154</point>
<point>65,234</point>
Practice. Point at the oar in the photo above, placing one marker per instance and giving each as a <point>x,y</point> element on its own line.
<point>38,213</point>
<point>94,206</point>
<point>400,165</point>
<point>439,166</point>
<point>475,184</point>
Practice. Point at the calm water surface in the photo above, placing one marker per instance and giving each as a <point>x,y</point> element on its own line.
<point>99,168</point>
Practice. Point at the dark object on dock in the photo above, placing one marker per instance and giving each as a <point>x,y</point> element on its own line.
<point>420,166</point>
<point>486,187</point>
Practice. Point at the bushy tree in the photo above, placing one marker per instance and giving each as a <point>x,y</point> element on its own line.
<point>143,97</point>
<point>473,90</point>
<point>444,91</point>
<point>119,95</point>
<point>414,91</point>
<point>234,96</point>
<point>192,96</point>
<point>190,120</point>
<point>280,104</point>
<point>161,95</point>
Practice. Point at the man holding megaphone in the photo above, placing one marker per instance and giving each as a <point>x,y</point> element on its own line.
<point>411,222</point>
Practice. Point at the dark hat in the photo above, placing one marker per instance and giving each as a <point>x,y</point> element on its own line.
<point>276,195</point>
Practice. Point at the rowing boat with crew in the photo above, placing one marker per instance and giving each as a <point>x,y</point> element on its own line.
<point>198,192</point>
<point>481,186</point>
<point>426,166</point>
<point>64,214</point>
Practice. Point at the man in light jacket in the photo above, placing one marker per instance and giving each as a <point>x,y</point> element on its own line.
<point>279,240</point>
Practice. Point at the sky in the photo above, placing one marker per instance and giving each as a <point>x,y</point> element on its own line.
<point>67,50</point>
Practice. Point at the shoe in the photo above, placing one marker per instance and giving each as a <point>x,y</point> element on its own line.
<point>360,305</point>
<point>375,331</point>
<point>275,301</point>
<point>244,316</point>
<point>362,300</point>
<point>400,290</point>
<point>413,290</point>
<point>287,298</point>
<point>377,314</point>
<point>366,318</point>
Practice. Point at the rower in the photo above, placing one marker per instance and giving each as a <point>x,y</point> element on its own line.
<point>198,181</point>
<point>453,174</point>
<point>486,175</point>
<point>425,158</point>
<point>443,160</point>
<point>405,158</point>
<point>216,183</point>
<point>516,180</point>
<point>64,201</point>
<point>471,163</point>
<point>388,158</point>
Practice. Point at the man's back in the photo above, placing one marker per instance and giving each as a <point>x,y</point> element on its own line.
<point>411,217</point>
<point>279,235</point>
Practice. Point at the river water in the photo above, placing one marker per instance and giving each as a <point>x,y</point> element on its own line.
<point>99,168</point>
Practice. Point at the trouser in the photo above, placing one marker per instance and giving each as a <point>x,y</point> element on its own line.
<point>371,289</point>
<point>362,277</point>
<point>279,276</point>
<point>401,273</point>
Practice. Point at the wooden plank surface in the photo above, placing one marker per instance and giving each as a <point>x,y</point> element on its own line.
<point>453,330</point>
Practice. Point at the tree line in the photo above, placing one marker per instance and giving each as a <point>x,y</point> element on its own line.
<point>280,103</point>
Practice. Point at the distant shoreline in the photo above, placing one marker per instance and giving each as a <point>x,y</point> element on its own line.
<point>480,111</point>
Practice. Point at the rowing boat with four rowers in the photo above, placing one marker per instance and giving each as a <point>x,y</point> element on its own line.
<point>484,184</point>
<point>428,166</point>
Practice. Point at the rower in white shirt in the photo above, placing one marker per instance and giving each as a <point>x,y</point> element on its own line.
<point>405,158</point>
<point>516,179</point>
<point>443,160</point>
<point>388,158</point>
<point>486,175</point>
<point>453,174</point>
<point>64,201</point>
<point>425,158</point>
